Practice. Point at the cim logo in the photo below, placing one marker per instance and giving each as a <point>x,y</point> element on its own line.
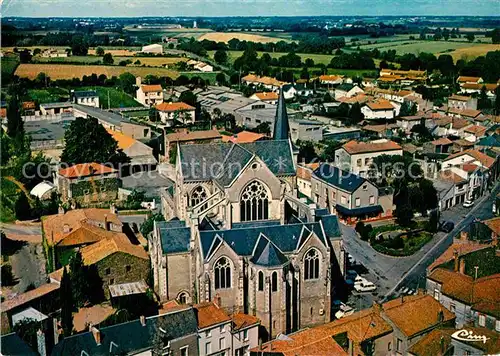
<point>468,335</point>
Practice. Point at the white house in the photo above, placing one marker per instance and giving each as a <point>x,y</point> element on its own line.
<point>380,109</point>
<point>150,95</point>
<point>347,91</point>
<point>152,48</point>
<point>176,111</point>
<point>269,97</point>
<point>331,79</point>
<point>85,97</point>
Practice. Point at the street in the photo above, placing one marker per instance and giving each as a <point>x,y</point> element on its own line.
<point>393,274</point>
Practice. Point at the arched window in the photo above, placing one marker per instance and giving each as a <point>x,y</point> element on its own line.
<point>183,298</point>
<point>261,281</point>
<point>254,203</point>
<point>274,282</point>
<point>311,265</point>
<point>198,195</point>
<point>222,273</point>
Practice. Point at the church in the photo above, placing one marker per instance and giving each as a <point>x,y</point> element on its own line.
<point>236,231</point>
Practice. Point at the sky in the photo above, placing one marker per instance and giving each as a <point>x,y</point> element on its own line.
<point>132,8</point>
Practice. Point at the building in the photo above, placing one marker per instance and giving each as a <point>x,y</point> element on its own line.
<point>380,109</point>
<point>55,108</point>
<point>357,157</point>
<point>225,334</point>
<point>149,95</point>
<point>461,80</point>
<point>243,137</point>
<point>331,79</point>
<point>140,154</point>
<point>348,195</point>
<point>174,333</point>
<point>185,136</point>
<point>180,112</point>
<point>231,233</point>
<point>406,123</point>
<point>472,88</point>
<point>462,102</point>
<point>347,91</point>
<point>306,130</point>
<point>304,175</point>
<point>153,48</point>
<point>54,53</point>
<point>267,82</point>
<point>270,97</point>
<point>85,97</point>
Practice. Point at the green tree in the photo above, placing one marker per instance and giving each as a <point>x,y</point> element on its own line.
<point>432,224</point>
<point>428,191</point>
<point>26,329</point>
<point>483,102</point>
<point>99,51</point>
<point>221,78</point>
<point>263,128</point>
<point>15,125</point>
<point>107,59</point>
<point>188,97</point>
<point>403,212</point>
<point>22,207</point>
<point>79,46</point>
<point>329,149</point>
<point>495,36</point>
<point>127,82</point>
<point>147,226</point>
<point>407,109</point>
<point>307,152</point>
<point>79,279</point>
<point>497,101</point>
<point>355,115</point>
<point>470,37</point>
<point>99,146</point>
<point>309,62</point>
<point>220,56</point>
<point>153,114</point>
<point>67,304</point>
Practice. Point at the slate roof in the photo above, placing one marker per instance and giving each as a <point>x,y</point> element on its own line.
<point>267,254</point>
<point>174,236</point>
<point>131,336</point>
<point>13,345</point>
<point>281,125</point>
<point>236,159</point>
<point>490,141</point>
<point>85,94</point>
<point>344,180</point>
<point>196,160</point>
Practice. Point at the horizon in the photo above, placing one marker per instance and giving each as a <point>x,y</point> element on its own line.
<point>251,8</point>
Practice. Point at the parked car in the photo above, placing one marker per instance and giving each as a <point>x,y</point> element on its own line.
<point>345,310</point>
<point>351,273</point>
<point>359,279</point>
<point>468,203</point>
<point>365,287</point>
<point>447,226</point>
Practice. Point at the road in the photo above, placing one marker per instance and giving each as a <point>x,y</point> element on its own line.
<point>391,274</point>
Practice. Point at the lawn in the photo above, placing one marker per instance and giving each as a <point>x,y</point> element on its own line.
<point>117,97</point>
<point>49,95</point>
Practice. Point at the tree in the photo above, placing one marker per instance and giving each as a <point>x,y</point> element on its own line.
<point>99,51</point>
<point>355,115</point>
<point>79,46</point>
<point>22,207</point>
<point>220,56</point>
<point>309,62</point>
<point>147,226</point>
<point>99,146</point>
<point>432,224</point>
<point>67,304</point>
<point>403,212</point>
<point>188,97</point>
<point>220,78</point>
<point>79,279</point>
<point>25,56</point>
<point>483,102</point>
<point>470,37</point>
<point>497,101</point>
<point>107,59</point>
<point>428,191</point>
<point>15,125</point>
<point>263,128</point>
<point>328,154</point>
<point>27,330</point>
<point>495,36</point>
<point>153,114</point>
<point>127,82</point>
<point>307,153</point>
<point>407,109</point>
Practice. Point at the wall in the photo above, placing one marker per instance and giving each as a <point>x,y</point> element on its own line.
<point>213,335</point>
<point>178,276</point>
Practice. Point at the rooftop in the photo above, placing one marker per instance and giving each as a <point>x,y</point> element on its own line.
<point>475,155</point>
<point>151,88</point>
<point>267,96</point>
<point>356,147</point>
<point>86,170</point>
<point>210,314</point>
<point>192,135</point>
<point>172,107</point>
<point>344,180</point>
<point>23,298</point>
<point>243,137</point>
<point>119,290</point>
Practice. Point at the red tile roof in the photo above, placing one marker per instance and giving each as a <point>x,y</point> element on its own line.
<point>493,224</point>
<point>243,137</point>
<point>151,88</point>
<point>460,248</point>
<point>484,159</point>
<point>450,176</point>
<point>171,107</point>
<point>465,79</point>
<point>380,104</point>
<point>243,321</point>
<point>355,147</point>
<point>24,298</point>
<point>442,141</point>
<point>267,96</point>
<point>479,86</point>
<point>435,343</point>
<point>193,135</point>
<point>209,314</point>
<point>86,170</point>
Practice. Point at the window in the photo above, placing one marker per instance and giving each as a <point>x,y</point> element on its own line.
<point>274,282</point>
<point>497,325</point>
<point>208,333</point>
<point>452,307</point>
<point>261,281</point>
<point>358,201</point>
<point>184,351</point>
<point>372,200</point>
<point>183,298</point>
<point>254,203</point>
<point>222,343</point>
<point>343,199</point>
<point>311,265</point>
<point>365,187</point>
<point>389,346</point>
<point>221,329</point>
<point>367,160</point>
<point>358,162</point>
<point>245,334</point>
<point>399,345</point>
<point>112,281</point>
<point>198,195</point>
<point>222,273</point>
<point>436,294</point>
<point>482,320</point>
<point>108,271</point>
<point>128,268</point>
<point>208,348</point>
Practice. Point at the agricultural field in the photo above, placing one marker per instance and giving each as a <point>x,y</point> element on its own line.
<point>117,97</point>
<point>116,52</point>
<point>147,61</point>
<point>226,36</point>
<point>473,52</point>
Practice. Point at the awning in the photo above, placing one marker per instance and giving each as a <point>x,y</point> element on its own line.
<point>372,209</point>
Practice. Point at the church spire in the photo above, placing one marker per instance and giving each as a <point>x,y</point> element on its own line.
<point>281,127</point>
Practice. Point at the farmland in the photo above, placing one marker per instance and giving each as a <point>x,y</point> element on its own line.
<point>226,36</point>
<point>147,61</point>
<point>48,95</point>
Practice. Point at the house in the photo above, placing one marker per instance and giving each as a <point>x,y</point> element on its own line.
<point>270,97</point>
<point>289,91</point>
<point>442,145</point>
<point>304,174</point>
<point>348,195</point>
<point>56,108</point>
<point>379,109</point>
<point>54,53</point>
<point>140,154</point>
<point>472,88</point>
<point>360,98</point>
<point>467,114</point>
<point>173,333</point>
<point>306,130</point>
<point>406,123</point>
<point>243,137</point>
<point>184,136</point>
<point>357,157</point>
<point>380,131</point>
<point>461,80</point>
<point>331,79</point>
<point>490,346</point>
<point>471,157</point>
<point>267,82</point>
<point>171,112</point>
<point>153,48</point>
<point>407,77</point>
<point>303,89</point>
<point>447,126</point>
<point>225,334</point>
<point>203,67</point>
<point>341,133</point>
<point>462,102</point>
<point>28,107</point>
<point>347,91</point>
<point>115,261</point>
<point>87,183</point>
<point>149,95</point>
<point>85,97</point>
<point>462,145</point>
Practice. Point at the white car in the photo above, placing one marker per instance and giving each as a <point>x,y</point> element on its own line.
<point>359,279</point>
<point>345,310</point>
<point>468,204</point>
<point>365,287</point>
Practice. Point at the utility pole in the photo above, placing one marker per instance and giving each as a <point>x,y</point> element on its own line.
<point>108,101</point>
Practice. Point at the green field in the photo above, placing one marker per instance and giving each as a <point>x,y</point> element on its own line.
<point>49,95</point>
<point>416,47</point>
<point>8,66</point>
<point>117,98</point>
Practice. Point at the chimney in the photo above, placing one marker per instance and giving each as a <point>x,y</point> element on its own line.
<point>464,236</point>
<point>217,300</point>
<point>462,266</point>
<point>106,225</point>
<point>66,228</point>
<point>455,257</point>
<point>97,335</point>
<point>112,208</point>
<point>91,169</point>
<point>440,316</point>
<point>40,343</point>
<point>142,318</point>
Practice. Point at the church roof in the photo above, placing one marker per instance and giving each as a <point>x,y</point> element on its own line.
<point>267,254</point>
<point>174,236</point>
<point>224,161</point>
<point>281,126</point>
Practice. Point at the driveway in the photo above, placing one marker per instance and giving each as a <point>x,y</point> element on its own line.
<point>391,274</point>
